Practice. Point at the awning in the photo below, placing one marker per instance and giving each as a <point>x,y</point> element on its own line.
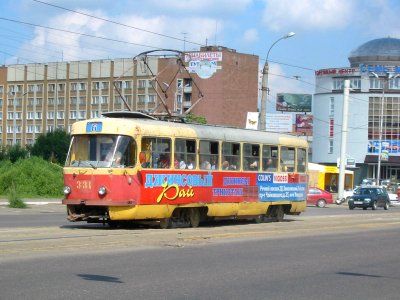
<point>373,159</point>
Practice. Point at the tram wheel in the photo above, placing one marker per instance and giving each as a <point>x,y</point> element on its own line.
<point>278,214</point>
<point>194,217</point>
<point>165,223</point>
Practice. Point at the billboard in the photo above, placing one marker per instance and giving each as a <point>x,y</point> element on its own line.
<point>252,120</point>
<point>279,122</point>
<point>204,64</point>
<point>293,102</point>
<point>304,123</point>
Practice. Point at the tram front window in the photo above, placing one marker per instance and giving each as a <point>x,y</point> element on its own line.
<point>101,151</point>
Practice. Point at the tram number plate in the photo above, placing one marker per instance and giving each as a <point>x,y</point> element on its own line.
<point>94,127</point>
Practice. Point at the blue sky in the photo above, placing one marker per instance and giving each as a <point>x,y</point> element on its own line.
<point>326,31</point>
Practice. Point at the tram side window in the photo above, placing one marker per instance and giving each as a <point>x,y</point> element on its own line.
<point>156,152</point>
<point>270,156</point>
<point>209,155</point>
<point>185,154</point>
<point>287,159</point>
<point>301,160</point>
<point>230,156</point>
<point>251,157</point>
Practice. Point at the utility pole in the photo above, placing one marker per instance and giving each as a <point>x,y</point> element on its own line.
<point>343,158</point>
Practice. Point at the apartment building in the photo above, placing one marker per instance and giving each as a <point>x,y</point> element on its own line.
<point>215,82</point>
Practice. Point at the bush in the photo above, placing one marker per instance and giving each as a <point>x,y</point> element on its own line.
<point>14,200</point>
<point>32,178</point>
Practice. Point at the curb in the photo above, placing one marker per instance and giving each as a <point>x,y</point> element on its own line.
<point>5,203</point>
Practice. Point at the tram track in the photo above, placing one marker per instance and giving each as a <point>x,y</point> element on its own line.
<point>17,243</point>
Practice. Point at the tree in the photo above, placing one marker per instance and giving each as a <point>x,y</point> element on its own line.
<point>15,152</point>
<point>191,118</point>
<point>52,146</point>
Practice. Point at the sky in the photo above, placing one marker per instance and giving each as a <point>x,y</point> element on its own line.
<point>326,31</point>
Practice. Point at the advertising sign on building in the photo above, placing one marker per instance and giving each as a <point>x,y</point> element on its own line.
<point>252,120</point>
<point>293,102</point>
<point>279,122</point>
<point>204,64</point>
<point>388,146</point>
<point>304,123</point>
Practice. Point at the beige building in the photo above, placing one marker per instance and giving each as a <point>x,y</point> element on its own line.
<point>38,98</point>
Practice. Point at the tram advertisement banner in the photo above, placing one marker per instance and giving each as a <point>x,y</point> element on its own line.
<point>174,187</point>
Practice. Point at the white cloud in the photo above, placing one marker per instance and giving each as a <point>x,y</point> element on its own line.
<point>250,35</point>
<point>309,14</point>
<point>196,6</point>
<point>57,45</point>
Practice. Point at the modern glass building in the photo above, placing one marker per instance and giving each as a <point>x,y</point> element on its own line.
<point>374,110</point>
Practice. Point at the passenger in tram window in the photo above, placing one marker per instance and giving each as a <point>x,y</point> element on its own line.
<point>214,163</point>
<point>143,161</point>
<point>190,163</point>
<point>225,165</point>
<point>179,163</point>
<point>164,161</point>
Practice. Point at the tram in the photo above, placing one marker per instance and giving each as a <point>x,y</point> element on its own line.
<point>130,167</point>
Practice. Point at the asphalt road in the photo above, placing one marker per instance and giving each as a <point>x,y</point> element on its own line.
<point>327,253</point>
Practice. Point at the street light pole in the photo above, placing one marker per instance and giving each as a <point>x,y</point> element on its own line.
<point>264,86</point>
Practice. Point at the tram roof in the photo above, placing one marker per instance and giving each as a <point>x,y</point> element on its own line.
<point>147,126</point>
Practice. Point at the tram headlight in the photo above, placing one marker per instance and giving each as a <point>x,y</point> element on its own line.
<point>102,191</point>
<point>67,190</point>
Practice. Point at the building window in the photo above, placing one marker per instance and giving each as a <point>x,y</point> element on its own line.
<point>152,98</point>
<point>355,83</point>
<point>104,99</point>
<point>73,100</point>
<point>60,101</point>
<point>61,87</point>
<point>82,115</point>
<point>96,86</point>
<point>141,98</point>
<point>375,83</point>
<point>142,83</point>
<point>331,106</point>
<point>104,85</point>
<point>94,114</point>
<point>50,115</point>
<point>51,87</point>
<point>394,83</point>
<point>60,115</point>
<point>73,86</point>
<point>72,114</point>
<point>82,100</point>
<point>1,89</point>
<point>128,84</point>
<point>1,116</point>
<point>95,99</point>
<point>82,86</point>
<point>330,150</point>
<point>50,101</point>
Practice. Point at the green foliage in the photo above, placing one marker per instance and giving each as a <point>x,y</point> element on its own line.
<point>15,152</point>
<point>32,178</point>
<point>52,146</point>
<point>191,118</point>
<point>14,200</point>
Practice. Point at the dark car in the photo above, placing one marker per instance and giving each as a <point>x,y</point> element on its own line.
<point>319,197</point>
<point>371,196</point>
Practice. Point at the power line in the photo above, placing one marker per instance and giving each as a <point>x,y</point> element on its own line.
<point>78,33</point>
<point>117,23</point>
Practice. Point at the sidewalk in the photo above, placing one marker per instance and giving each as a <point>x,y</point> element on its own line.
<point>35,201</point>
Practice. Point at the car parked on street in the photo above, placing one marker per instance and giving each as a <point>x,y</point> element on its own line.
<point>369,196</point>
<point>319,197</point>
